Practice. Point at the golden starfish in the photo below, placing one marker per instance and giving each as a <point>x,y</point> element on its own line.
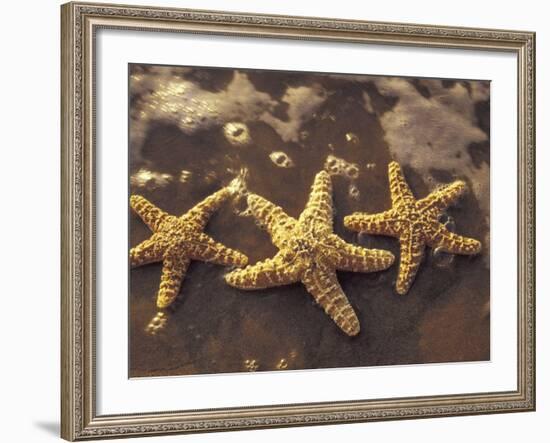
<point>178,240</point>
<point>415,223</point>
<point>309,252</point>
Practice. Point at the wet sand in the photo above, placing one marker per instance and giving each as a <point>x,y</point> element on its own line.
<point>214,328</point>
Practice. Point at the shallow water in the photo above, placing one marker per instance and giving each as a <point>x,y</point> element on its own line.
<point>214,328</point>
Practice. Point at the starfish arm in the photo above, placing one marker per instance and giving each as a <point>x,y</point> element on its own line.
<point>400,192</point>
<point>201,213</point>
<point>174,268</point>
<point>348,257</point>
<point>442,198</point>
<point>276,221</point>
<point>455,244</point>
<point>148,251</point>
<point>318,209</point>
<point>264,274</point>
<point>383,223</point>
<point>148,212</point>
<point>412,252</point>
<point>323,285</point>
<point>205,248</point>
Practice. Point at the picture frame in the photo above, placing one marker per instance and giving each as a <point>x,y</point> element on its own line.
<point>81,23</point>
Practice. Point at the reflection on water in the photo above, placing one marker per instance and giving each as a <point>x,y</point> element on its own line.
<point>286,128</point>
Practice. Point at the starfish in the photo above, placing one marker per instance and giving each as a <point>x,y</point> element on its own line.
<point>178,240</point>
<point>415,223</point>
<point>309,252</point>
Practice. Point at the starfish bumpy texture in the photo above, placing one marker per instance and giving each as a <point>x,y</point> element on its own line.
<point>178,240</point>
<point>309,252</point>
<point>415,223</point>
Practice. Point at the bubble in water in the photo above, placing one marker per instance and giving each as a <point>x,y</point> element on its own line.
<point>332,165</point>
<point>441,258</point>
<point>185,176</point>
<point>281,159</point>
<point>338,166</point>
<point>353,192</point>
<point>370,165</point>
<point>448,222</point>
<point>282,364</point>
<point>237,186</point>
<point>157,323</point>
<point>450,225</point>
<point>352,171</point>
<point>237,134</point>
<point>239,192</point>
<point>251,365</point>
<point>352,138</point>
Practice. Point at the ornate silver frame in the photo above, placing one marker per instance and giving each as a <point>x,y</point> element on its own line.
<point>80,21</point>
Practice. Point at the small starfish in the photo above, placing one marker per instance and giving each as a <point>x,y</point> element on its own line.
<point>309,252</point>
<point>178,240</point>
<point>415,223</point>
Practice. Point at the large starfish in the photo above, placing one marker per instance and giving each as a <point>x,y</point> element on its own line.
<point>415,223</point>
<point>309,252</point>
<point>178,240</point>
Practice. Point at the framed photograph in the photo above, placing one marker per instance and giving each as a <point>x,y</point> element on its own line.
<point>279,221</point>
